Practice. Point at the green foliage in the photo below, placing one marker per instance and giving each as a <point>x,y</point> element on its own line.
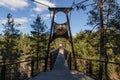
<point>86,44</point>
<point>38,37</point>
<point>111,24</point>
<point>65,43</point>
<point>1,48</point>
<point>23,46</point>
<point>10,40</point>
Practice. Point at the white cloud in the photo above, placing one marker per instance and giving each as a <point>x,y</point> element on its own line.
<point>22,21</point>
<point>46,16</point>
<point>14,4</point>
<point>32,15</point>
<point>40,8</point>
<point>3,21</point>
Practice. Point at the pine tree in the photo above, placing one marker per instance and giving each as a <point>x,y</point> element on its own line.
<point>10,51</point>
<point>10,35</point>
<point>38,37</point>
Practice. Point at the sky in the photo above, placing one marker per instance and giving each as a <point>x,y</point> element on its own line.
<point>25,12</point>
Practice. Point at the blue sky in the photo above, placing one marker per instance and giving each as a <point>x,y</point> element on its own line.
<point>25,12</point>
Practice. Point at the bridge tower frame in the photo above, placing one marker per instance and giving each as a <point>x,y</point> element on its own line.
<point>60,30</point>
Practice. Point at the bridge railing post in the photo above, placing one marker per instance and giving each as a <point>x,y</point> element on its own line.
<point>3,72</point>
<point>51,64</point>
<point>32,68</point>
<point>90,68</point>
<point>86,66</point>
<point>70,62</point>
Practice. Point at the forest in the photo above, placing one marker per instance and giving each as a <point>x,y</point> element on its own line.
<point>16,46</point>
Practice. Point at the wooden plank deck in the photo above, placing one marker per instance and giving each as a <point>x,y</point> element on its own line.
<point>60,71</point>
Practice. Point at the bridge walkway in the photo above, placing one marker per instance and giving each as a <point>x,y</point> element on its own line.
<point>61,71</point>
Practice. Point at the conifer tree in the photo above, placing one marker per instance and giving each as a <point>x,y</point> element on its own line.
<point>38,37</point>
<point>10,35</point>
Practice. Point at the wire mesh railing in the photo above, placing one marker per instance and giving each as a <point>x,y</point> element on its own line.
<point>22,70</point>
<point>91,68</point>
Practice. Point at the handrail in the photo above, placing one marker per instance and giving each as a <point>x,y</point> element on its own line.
<point>32,62</point>
<point>117,63</point>
<point>89,67</point>
<point>3,64</point>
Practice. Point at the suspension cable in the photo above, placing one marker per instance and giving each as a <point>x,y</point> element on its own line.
<point>40,3</point>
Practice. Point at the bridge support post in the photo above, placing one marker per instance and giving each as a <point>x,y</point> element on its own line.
<point>32,68</point>
<point>90,68</point>
<point>102,42</point>
<point>3,72</point>
<point>71,41</point>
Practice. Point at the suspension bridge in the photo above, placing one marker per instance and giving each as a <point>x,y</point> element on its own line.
<point>59,64</point>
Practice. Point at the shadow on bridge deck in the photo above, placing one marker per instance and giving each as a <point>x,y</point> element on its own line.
<point>61,71</point>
